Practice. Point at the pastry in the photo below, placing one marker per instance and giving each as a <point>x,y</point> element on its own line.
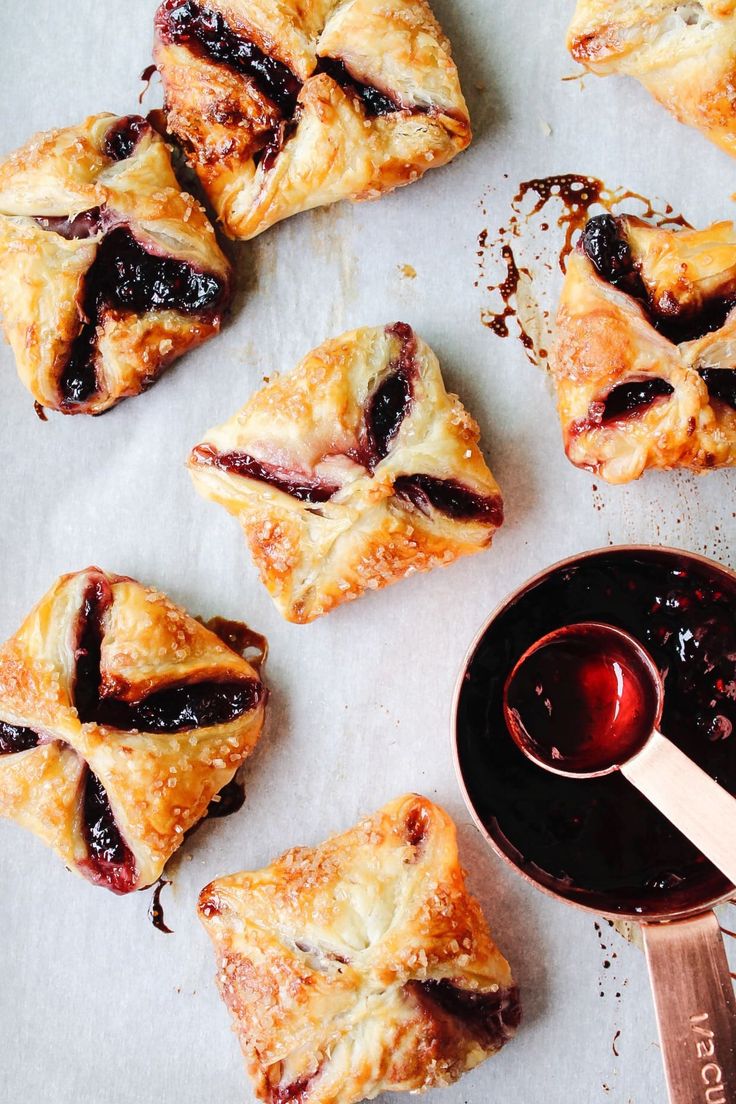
<point>285,105</point>
<point>351,472</point>
<point>109,271</point>
<point>645,351</point>
<point>683,53</point>
<point>362,966</point>
<point>121,717</point>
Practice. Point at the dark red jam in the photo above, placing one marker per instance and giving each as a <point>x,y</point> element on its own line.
<point>721,384</point>
<point>110,862</point>
<point>373,100</point>
<point>598,841</point>
<point>491,1018</point>
<point>298,484</point>
<point>14,739</point>
<point>633,398</point>
<point>124,135</point>
<point>84,225</point>
<point>181,708</point>
<point>449,497</point>
<point>605,244</point>
<point>193,24</point>
<point>582,701</point>
<point>391,401</point>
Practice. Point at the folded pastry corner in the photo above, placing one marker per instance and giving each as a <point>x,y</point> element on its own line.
<point>121,717</point>
<point>644,357</point>
<point>361,966</point>
<point>351,472</point>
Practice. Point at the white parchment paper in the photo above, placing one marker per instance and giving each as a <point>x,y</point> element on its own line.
<point>96,1005</point>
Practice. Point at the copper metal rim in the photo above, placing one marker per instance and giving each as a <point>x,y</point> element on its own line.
<point>638,918</point>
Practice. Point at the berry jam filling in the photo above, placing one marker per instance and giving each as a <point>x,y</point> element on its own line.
<point>426,492</point>
<point>390,402</point>
<point>598,841</point>
<point>185,22</point>
<point>417,826</point>
<point>491,1018</point>
<point>374,101</point>
<point>633,398</point>
<point>14,739</point>
<point>110,862</point>
<point>276,140</point>
<point>88,653</point>
<point>293,483</point>
<point>295,1093</point>
<point>182,708</point>
<point>721,384</point>
<point>84,225</point>
<point>604,243</point>
<point>124,135</point>
<point>126,277</point>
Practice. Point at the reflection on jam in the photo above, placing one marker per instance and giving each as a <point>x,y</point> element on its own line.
<point>491,1018</point>
<point>193,24</point>
<point>374,101</point>
<point>14,739</point>
<point>110,862</point>
<point>84,225</point>
<point>721,384</point>
<point>297,484</point>
<point>124,135</point>
<point>633,398</point>
<point>427,492</point>
<point>581,701</point>
<point>390,402</point>
<point>181,708</point>
<point>600,842</point>
<point>126,277</point>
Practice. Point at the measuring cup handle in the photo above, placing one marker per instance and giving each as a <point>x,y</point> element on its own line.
<point>696,1011</point>
<point>689,798</point>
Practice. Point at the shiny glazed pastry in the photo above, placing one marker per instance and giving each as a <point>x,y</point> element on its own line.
<point>684,53</point>
<point>351,472</point>
<point>121,717</point>
<point>362,966</point>
<point>109,271</point>
<point>645,351</point>
<point>285,105</point>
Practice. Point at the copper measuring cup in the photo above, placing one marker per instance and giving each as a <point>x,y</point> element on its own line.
<point>689,973</point>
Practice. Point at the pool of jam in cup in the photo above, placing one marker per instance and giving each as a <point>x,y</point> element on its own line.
<point>598,841</point>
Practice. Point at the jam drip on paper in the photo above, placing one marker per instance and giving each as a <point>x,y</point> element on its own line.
<point>373,100</point>
<point>14,738</point>
<point>490,1018</point>
<point>186,22</point>
<point>449,497</point>
<point>124,135</point>
<point>156,909</point>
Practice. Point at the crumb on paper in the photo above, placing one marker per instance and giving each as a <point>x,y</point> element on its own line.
<point>546,128</point>
<point>479,86</point>
<point>408,271</point>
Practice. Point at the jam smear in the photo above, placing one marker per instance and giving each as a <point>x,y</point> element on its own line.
<point>721,384</point>
<point>14,738</point>
<point>181,708</point>
<point>633,398</point>
<point>190,23</point>
<point>581,701</point>
<point>491,1018</point>
<point>293,483</point>
<point>449,497</point>
<point>156,909</point>
<point>374,101</point>
<point>87,224</point>
<point>110,862</point>
<point>598,841</point>
<point>124,135</point>
<point>391,401</point>
<point>248,643</point>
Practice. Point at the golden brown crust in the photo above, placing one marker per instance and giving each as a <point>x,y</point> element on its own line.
<point>357,531</point>
<point>683,53</point>
<point>61,175</point>
<point>606,338</point>
<point>158,783</point>
<point>326,143</point>
<point>361,966</point>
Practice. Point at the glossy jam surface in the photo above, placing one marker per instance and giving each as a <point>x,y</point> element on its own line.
<point>721,384</point>
<point>633,398</point>
<point>14,739</point>
<point>581,701</point>
<point>391,401</point>
<point>298,484</point>
<point>449,497</point>
<point>491,1018</point>
<point>124,135</point>
<point>110,861</point>
<point>184,21</point>
<point>181,708</point>
<point>374,101</point>
<point>87,224</point>
<point>598,841</point>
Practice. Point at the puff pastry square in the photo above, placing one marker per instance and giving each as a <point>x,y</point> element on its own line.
<point>351,472</point>
<point>361,966</point>
<point>109,271</point>
<point>285,105</point>
<point>645,352</point>
<point>121,717</point>
<point>682,51</point>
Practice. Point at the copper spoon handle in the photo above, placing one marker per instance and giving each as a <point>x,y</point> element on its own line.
<point>689,798</point>
<point>696,1011</point>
